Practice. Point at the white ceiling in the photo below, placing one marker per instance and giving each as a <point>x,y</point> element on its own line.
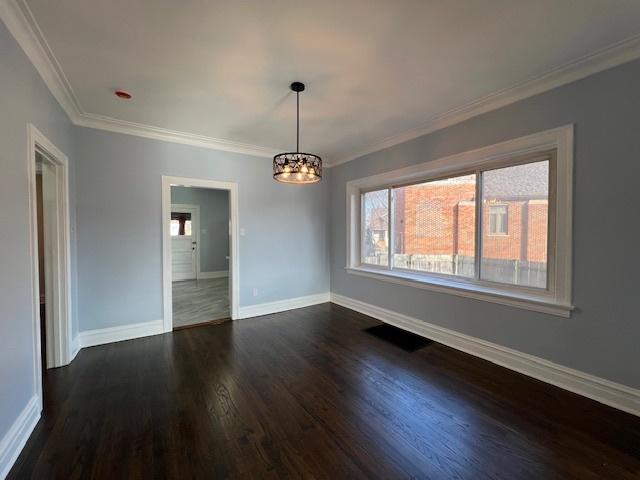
<point>373,68</point>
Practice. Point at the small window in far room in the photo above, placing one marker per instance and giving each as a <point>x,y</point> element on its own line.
<point>180,224</point>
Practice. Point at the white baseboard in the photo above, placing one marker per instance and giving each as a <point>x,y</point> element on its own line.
<point>604,391</point>
<point>282,305</point>
<point>218,274</point>
<point>15,439</point>
<point>101,336</point>
<point>75,347</point>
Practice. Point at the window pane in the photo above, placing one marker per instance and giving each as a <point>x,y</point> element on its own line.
<point>515,207</point>
<point>434,226</point>
<point>175,228</point>
<point>375,209</point>
<point>180,224</point>
<point>498,224</point>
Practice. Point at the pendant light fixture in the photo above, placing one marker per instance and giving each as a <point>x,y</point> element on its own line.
<point>297,167</point>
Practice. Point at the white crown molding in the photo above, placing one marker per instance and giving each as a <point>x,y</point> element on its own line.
<point>23,26</point>
<point>21,23</point>
<point>603,59</point>
<point>604,391</point>
<point>110,124</point>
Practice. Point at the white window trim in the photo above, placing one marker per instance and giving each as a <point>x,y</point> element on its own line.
<point>556,301</point>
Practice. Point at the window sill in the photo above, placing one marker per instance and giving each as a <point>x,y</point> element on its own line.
<point>518,299</point>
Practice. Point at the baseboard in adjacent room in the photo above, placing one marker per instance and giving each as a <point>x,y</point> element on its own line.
<point>282,305</point>
<point>101,336</point>
<point>218,274</point>
<point>604,391</point>
<point>15,439</point>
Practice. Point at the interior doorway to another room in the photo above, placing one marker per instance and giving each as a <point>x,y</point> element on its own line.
<point>50,246</point>
<point>200,236</point>
<point>41,267</point>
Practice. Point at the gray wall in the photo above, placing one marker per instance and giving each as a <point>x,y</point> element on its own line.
<point>24,98</point>
<point>602,336</point>
<point>284,253</point>
<point>214,224</point>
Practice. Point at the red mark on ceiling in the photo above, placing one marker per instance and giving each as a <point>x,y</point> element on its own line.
<point>124,95</point>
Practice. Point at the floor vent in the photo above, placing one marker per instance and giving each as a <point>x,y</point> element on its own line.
<point>408,341</point>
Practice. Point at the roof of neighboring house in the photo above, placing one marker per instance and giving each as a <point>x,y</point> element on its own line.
<point>530,180</point>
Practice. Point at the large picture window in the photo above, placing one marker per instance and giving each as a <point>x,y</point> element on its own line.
<point>434,224</point>
<point>487,223</point>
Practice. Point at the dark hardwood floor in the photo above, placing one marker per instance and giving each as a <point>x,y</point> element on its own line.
<point>308,394</point>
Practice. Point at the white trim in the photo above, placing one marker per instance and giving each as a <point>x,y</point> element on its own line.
<point>603,59</point>
<point>25,29</point>
<point>20,22</point>
<point>23,26</point>
<point>59,257</point>
<point>110,124</point>
<point>282,305</point>
<point>477,292</point>
<point>75,347</point>
<point>234,241</point>
<point>556,300</point>
<point>15,439</point>
<point>604,391</point>
<point>100,336</point>
<point>195,228</point>
<point>216,274</point>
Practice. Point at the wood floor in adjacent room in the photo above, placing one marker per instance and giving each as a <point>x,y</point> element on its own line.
<point>307,394</point>
<point>200,301</point>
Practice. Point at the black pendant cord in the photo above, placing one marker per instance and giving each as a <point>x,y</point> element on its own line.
<point>297,122</point>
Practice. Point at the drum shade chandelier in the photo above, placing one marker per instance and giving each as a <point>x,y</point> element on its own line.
<point>297,167</point>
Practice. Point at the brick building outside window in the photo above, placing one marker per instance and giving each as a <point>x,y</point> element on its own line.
<point>434,225</point>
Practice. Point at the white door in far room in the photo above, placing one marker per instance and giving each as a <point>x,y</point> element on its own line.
<point>185,221</point>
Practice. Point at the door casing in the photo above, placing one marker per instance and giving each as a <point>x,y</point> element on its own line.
<point>60,349</point>
<point>234,243</point>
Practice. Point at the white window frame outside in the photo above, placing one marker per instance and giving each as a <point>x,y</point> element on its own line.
<point>556,299</point>
<point>505,233</point>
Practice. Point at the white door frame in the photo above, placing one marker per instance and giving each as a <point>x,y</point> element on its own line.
<point>195,230</point>
<point>57,256</point>
<point>234,244</point>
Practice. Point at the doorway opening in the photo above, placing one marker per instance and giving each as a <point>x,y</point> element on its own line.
<point>47,169</point>
<point>199,256</point>
<point>200,252</point>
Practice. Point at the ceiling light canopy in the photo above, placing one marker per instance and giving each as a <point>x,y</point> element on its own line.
<point>297,167</point>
